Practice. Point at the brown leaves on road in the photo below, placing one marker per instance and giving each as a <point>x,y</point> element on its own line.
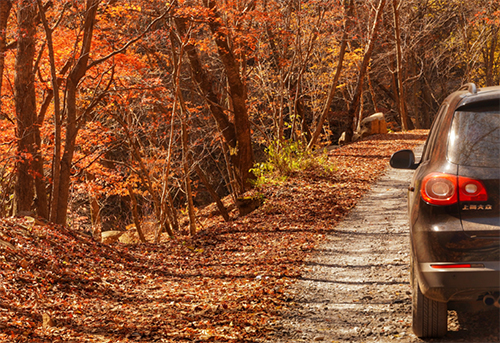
<point>228,283</point>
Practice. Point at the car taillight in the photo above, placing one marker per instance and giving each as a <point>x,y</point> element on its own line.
<point>456,265</point>
<point>471,190</point>
<point>449,266</point>
<point>441,189</point>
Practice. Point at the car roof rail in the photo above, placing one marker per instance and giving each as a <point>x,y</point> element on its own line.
<point>471,87</point>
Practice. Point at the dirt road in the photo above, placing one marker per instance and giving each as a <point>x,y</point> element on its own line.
<point>356,287</point>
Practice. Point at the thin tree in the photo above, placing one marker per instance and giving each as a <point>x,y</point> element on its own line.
<point>355,102</point>
<point>399,68</point>
<point>349,10</point>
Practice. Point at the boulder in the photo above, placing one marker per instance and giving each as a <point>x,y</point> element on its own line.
<point>342,139</point>
<point>372,125</point>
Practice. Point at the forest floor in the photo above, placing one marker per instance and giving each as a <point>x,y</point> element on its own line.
<point>231,282</point>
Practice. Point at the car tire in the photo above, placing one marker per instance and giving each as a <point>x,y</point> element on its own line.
<point>430,317</point>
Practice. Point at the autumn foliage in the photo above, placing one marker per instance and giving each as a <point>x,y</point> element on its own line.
<point>172,103</point>
<point>152,120</point>
<point>136,115</point>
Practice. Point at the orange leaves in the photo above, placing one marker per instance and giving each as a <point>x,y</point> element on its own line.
<point>120,9</point>
<point>485,17</point>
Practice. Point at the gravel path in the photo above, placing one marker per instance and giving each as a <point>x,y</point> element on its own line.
<point>356,288</point>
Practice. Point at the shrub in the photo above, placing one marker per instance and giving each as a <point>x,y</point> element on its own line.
<point>288,157</point>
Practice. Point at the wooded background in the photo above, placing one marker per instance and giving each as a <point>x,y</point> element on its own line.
<point>118,112</point>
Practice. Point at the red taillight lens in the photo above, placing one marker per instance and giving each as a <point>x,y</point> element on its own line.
<point>441,189</point>
<point>448,266</point>
<point>457,265</point>
<point>471,190</point>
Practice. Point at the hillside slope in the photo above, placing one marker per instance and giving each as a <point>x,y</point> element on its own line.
<point>228,283</point>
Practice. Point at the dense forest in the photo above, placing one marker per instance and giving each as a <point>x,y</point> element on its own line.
<point>126,112</point>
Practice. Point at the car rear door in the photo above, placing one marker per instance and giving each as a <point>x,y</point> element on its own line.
<point>474,145</point>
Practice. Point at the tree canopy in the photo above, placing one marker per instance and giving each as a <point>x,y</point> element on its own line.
<point>112,105</point>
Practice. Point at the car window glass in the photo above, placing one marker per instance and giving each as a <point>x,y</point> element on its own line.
<point>475,139</point>
<point>432,134</point>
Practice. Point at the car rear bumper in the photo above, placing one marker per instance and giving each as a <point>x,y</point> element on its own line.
<point>465,283</point>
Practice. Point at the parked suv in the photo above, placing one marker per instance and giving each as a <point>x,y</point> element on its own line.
<point>453,208</point>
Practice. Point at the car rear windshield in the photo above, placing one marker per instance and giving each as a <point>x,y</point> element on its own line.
<point>475,138</point>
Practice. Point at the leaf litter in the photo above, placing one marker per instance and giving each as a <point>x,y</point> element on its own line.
<point>226,284</point>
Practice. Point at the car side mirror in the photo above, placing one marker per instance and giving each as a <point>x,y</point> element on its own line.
<point>403,159</point>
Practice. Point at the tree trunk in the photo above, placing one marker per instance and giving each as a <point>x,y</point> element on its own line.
<point>237,91</point>
<point>412,94</point>
<point>489,56</point>
<point>349,9</point>
<point>236,135</point>
<point>56,157</point>
<point>25,100</point>
<point>95,209</point>
<point>160,208</point>
<point>41,203</point>
<point>74,78</point>
<point>372,93</point>
<point>5,7</point>
<point>355,102</point>
<point>205,83</point>
<point>213,194</point>
<point>399,70</point>
<point>187,179</point>
<point>135,214</point>
<point>426,107</point>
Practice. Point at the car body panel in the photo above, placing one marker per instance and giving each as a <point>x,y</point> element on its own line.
<point>461,284</point>
<point>482,216</point>
<point>465,232</point>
